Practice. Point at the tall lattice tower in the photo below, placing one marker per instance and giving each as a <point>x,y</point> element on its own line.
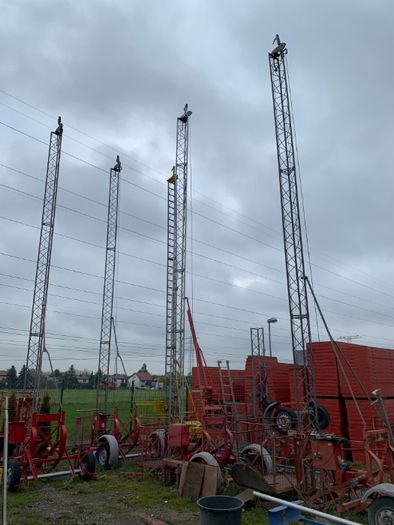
<point>108,290</point>
<point>36,345</point>
<point>176,271</point>
<point>291,223</point>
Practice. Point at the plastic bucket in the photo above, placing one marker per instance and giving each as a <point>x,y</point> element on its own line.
<point>220,510</point>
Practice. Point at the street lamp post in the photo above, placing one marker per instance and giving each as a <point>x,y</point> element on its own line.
<point>270,321</point>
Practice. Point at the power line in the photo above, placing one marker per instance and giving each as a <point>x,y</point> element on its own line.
<point>94,245</point>
<point>162,242</point>
<point>211,302</point>
<point>153,239</point>
<point>196,240</point>
<point>204,277</point>
<point>135,159</point>
<point>217,222</point>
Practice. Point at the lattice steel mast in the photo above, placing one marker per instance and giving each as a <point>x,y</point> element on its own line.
<point>108,290</point>
<point>37,323</point>
<point>257,343</point>
<point>176,271</point>
<point>291,221</point>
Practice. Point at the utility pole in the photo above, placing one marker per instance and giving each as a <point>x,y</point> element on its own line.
<point>36,342</point>
<point>108,290</point>
<point>176,271</point>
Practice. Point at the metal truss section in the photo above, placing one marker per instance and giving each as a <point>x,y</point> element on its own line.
<point>257,343</point>
<point>36,342</point>
<point>108,291</point>
<point>176,271</point>
<point>257,348</point>
<point>291,223</point>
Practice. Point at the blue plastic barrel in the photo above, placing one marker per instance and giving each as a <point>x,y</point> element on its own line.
<point>220,510</point>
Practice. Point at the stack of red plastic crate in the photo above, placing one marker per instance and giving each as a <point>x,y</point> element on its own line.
<point>276,374</point>
<point>344,383</point>
<point>326,382</point>
<point>356,372</point>
<point>244,383</point>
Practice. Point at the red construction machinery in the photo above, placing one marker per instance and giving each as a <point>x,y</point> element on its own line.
<point>295,455</point>
<point>37,439</point>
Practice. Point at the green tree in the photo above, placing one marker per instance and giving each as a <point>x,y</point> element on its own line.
<point>91,383</point>
<point>11,377</point>
<point>21,377</point>
<point>70,378</point>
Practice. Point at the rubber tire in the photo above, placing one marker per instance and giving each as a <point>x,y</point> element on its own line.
<point>290,415</point>
<point>158,437</point>
<point>88,462</point>
<point>323,417</point>
<point>14,474</point>
<point>377,506</point>
<point>103,455</point>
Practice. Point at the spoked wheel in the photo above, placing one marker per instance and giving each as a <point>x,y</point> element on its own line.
<point>103,455</point>
<point>87,466</point>
<point>285,419</point>
<point>14,474</point>
<point>257,456</point>
<point>381,511</point>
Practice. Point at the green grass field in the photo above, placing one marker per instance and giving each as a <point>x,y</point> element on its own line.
<point>81,402</point>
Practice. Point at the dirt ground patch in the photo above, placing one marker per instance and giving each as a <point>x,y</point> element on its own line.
<point>125,496</point>
<point>113,498</point>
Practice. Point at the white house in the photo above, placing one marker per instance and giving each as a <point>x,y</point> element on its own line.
<point>142,378</point>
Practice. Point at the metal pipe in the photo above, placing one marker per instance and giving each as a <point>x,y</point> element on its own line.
<point>128,456</point>
<point>5,461</point>
<point>335,519</point>
<point>55,474</point>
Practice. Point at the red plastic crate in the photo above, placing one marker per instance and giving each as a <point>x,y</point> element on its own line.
<point>295,376</point>
<point>325,369</point>
<point>372,418</point>
<point>373,368</point>
<point>358,368</point>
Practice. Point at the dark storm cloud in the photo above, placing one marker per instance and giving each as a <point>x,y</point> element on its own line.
<point>122,72</point>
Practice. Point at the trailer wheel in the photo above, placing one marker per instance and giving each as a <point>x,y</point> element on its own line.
<point>14,474</point>
<point>157,443</point>
<point>381,511</point>
<point>87,466</point>
<point>103,455</point>
<point>285,419</point>
<point>256,453</point>
<point>206,458</point>
<point>108,451</point>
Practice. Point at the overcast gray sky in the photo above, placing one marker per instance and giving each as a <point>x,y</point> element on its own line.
<point>119,74</point>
